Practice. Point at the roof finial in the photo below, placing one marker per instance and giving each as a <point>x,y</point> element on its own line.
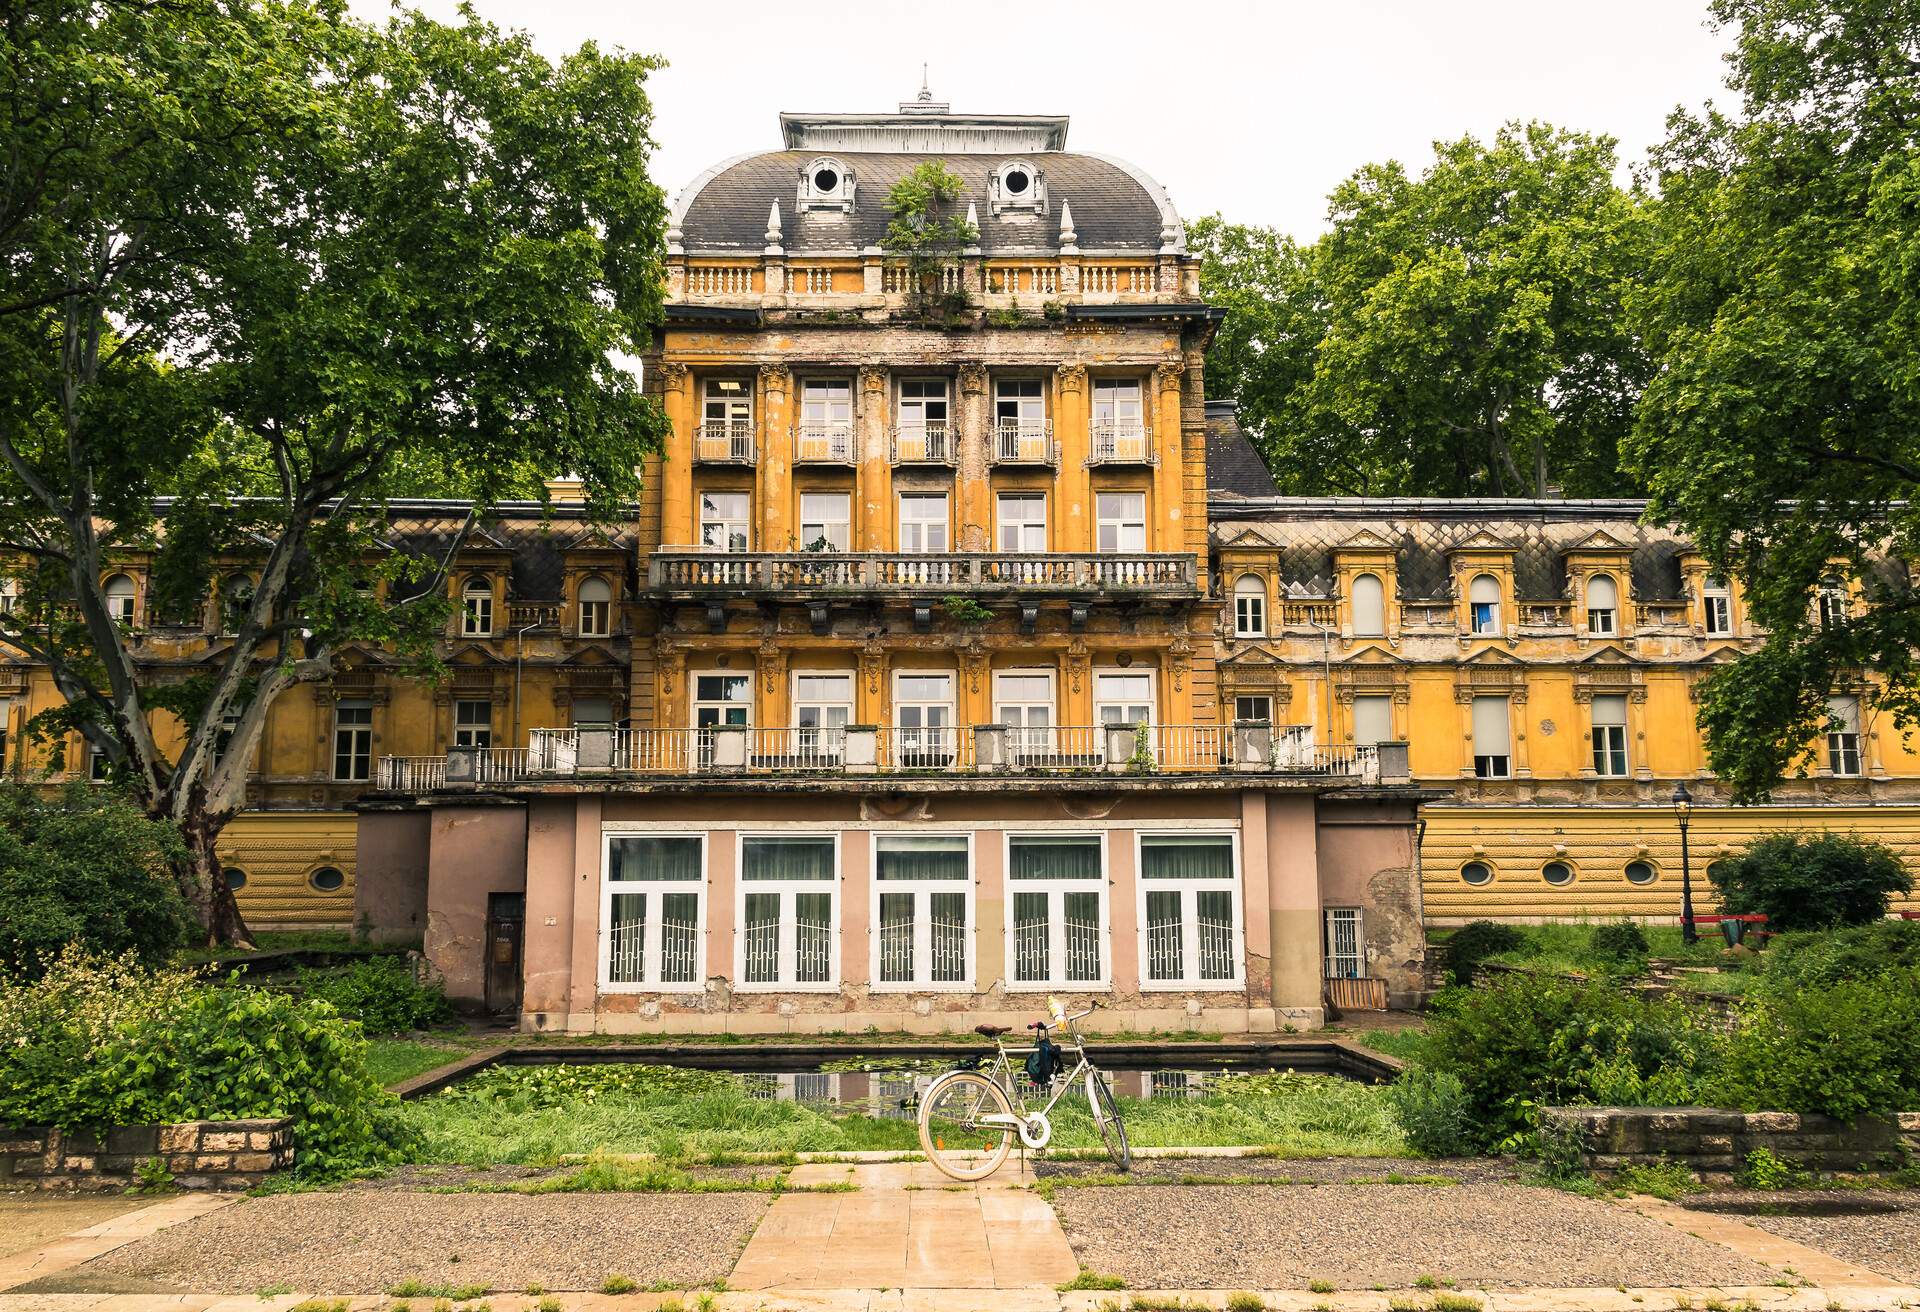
<point>1069,239</point>
<point>773,230</point>
<point>925,94</point>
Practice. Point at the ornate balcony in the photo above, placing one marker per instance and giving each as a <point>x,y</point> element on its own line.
<point>1124,443</point>
<point>692,572</point>
<point>923,444</point>
<point>1024,442</point>
<point>724,442</point>
<point>823,444</point>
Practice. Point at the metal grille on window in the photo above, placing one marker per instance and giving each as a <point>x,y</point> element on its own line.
<point>653,934</point>
<point>1344,957</point>
<point>896,938</point>
<point>679,935</point>
<point>948,935</point>
<point>627,939</point>
<point>1164,955</point>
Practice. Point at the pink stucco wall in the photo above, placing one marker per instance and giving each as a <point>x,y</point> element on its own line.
<point>475,850</point>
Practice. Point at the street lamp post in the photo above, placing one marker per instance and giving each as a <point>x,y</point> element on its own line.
<point>1683,811</point>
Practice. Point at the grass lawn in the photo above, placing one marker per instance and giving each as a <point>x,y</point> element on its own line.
<point>536,1115</point>
<point>1401,1043</point>
<point>1568,946</point>
<point>394,1060</point>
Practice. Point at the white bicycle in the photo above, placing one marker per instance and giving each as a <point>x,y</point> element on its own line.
<point>968,1119</point>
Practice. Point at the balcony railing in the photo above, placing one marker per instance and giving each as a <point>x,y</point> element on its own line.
<point>824,444</point>
<point>923,444</point>
<point>1027,442</point>
<point>724,442</point>
<point>1126,443</point>
<point>993,749</point>
<point>693,570</point>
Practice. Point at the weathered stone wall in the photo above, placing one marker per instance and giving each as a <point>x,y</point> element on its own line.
<point>1716,1142</point>
<point>198,1154</point>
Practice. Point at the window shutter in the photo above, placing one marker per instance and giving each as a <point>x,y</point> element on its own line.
<point>1490,736</point>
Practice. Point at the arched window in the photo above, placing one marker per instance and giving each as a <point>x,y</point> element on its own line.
<point>1369,606</point>
<point>1250,607</point>
<point>119,593</point>
<point>596,608</point>
<point>476,600</point>
<point>236,598</point>
<point>1483,598</point>
<point>1603,604</point>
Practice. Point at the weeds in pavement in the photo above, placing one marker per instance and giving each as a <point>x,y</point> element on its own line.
<point>320,1305</point>
<point>1245,1302</point>
<point>1320,1286</point>
<point>266,1292</point>
<point>1451,1302</point>
<point>416,1288</point>
<point>1663,1179</point>
<point>1091,1280</point>
<point>618,1284</point>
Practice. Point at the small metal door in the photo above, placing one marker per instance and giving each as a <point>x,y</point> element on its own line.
<point>506,927</point>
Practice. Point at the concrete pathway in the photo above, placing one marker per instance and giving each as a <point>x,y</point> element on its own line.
<point>908,1227</point>
<point>1755,1244</point>
<point>85,1245</point>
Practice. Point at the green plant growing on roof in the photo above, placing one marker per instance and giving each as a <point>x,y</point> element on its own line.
<point>926,233</point>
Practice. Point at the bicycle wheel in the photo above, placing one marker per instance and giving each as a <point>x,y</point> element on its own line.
<point>951,1134</point>
<point>1106,1115</point>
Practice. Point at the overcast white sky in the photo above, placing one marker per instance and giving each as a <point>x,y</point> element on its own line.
<point>1252,109</point>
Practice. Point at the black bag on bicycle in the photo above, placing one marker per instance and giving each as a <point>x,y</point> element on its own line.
<point>1044,1062</point>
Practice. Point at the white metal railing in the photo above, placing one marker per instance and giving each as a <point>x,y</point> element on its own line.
<point>724,441</point>
<point>679,948</point>
<point>1216,948</point>
<point>935,747</point>
<point>828,443</point>
<point>1129,442</point>
<point>1083,946</point>
<point>701,569</point>
<point>812,952</point>
<point>774,751</point>
<point>720,280</point>
<point>411,774</point>
<point>1023,442</point>
<point>1164,950</point>
<point>1063,747</point>
<point>626,948</point>
<point>1191,746</point>
<point>760,947</point>
<point>923,444</point>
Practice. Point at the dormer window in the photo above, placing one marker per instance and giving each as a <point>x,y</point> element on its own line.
<point>826,184</point>
<point>1017,188</point>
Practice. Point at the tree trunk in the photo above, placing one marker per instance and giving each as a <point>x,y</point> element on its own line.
<point>203,880</point>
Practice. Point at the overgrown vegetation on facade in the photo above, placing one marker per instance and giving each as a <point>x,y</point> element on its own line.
<point>929,236</point>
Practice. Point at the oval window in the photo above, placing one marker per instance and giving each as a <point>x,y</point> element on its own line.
<point>1557,873</point>
<point>1477,872</point>
<point>825,180</point>
<point>326,880</point>
<point>1016,181</point>
<point>236,878</point>
<point>1640,872</point>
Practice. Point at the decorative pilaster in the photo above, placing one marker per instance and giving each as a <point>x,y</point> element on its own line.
<point>772,479</point>
<point>873,493</point>
<point>974,525</point>
<point>1169,492</point>
<point>1072,528</point>
<point>676,470</point>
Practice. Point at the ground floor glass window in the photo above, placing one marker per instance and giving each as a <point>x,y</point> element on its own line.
<point>1190,901</point>
<point>787,912</point>
<point>1057,910</point>
<point>653,910</point>
<point>923,910</point>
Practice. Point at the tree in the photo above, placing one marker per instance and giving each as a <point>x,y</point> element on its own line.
<point>1782,430</point>
<point>1457,333</point>
<point>926,232</point>
<point>265,248</point>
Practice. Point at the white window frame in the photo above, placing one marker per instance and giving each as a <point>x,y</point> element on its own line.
<point>476,608</point>
<point>1374,625</point>
<point>1603,621</point>
<point>121,606</point>
<point>1478,755</point>
<point>1249,607</point>
<point>467,734</point>
<point>1716,608</point>
<point>785,889</point>
<point>950,730</point>
<point>922,889</point>
<point>650,949</point>
<point>1490,629</point>
<point>1055,891</point>
<point>825,431</point>
<point>1124,525</point>
<point>842,540</point>
<point>1833,607</point>
<point>1190,982</point>
<point>1370,698</point>
<point>1021,529</point>
<point>1608,742</point>
<point>596,617</point>
<point>1024,736</point>
<point>725,407</point>
<point>1131,672</point>
<point>925,545</point>
<point>726,523</point>
<point>1356,916</point>
<point>697,704</point>
<point>361,745</point>
<point>1847,745</point>
<point>1240,697</point>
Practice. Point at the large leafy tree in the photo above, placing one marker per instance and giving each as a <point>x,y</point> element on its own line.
<point>1454,333</point>
<point>1782,430</point>
<point>255,246</point>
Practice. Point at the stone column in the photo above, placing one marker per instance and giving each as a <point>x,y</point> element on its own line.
<point>1169,495</point>
<point>974,528</point>
<point>676,466</point>
<point>1071,527</point>
<point>773,480</point>
<point>873,486</point>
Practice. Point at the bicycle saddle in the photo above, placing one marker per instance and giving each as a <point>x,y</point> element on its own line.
<point>990,1031</point>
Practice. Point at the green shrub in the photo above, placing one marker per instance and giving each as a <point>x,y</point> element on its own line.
<point>1474,942</point>
<point>1518,1043</point>
<point>379,992</point>
<point>1819,959</point>
<point>1662,1179</point>
<point>85,868</point>
<point>1845,1050</point>
<point>1765,1169</point>
<point>1622,942</point>
<point>98,1042</point>
<point>1432,1106</point>
<point>1811,881</point>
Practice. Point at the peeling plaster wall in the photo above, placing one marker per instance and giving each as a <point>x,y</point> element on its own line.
<point>1367,861</point>
<point>476,849</point>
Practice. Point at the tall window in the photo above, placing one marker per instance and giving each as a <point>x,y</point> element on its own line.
<point>1023,521</point>
<point>1020,420</point>
<point>1843,735</point>
<point>1372,719</point>
<point>596,608</point>
<point>1123,699</point>
<point>1346,946</point>
<point>923,419</point>
<point>1056,911</point>
<point>1603,605</point>
<point>824,522</point>
<point>236,599</point>
<point>119,592</point>
<point>1190,911</point>
<point>923,710</point>
<point>1250,607</point>
<point>223,737</point>
<point>476,608</point>
<point>1023,701</point>
<point>923,521</point>
<point>722,699</point>
<point>787,914</point>
<point>1492,742</point>
<point>1121,521</point>
<point>723,521</point>
<point>1369,606</point>
<point>352,740</point>
<point>726,420</point>
<point>473,723</point>
<point>653,904</point>
<point>1832,603</point>
<point>1610,735</point>
<point>826,420</point>
<point>1483,599</point>
<point>923,908</point>
<point>1716,601</point>
<point>1119,422</point>
<point>99,765</point>
<point>1254,708</point>
<point>822,708</point>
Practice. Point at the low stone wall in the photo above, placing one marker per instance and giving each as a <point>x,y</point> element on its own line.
<point>1715,1142</point>
<point>198,1154</point>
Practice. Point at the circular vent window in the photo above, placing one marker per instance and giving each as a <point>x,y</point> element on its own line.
<point>1477,872</point>
<point>825,180</point>
<point>236,878</point>
<point>326,880</point>
<point>1557,873</point>
<point>1016,182</point>
<point>1640,872</point>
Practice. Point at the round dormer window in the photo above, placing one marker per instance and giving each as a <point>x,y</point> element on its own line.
<point>825,180</point>
<point>1017,182</point>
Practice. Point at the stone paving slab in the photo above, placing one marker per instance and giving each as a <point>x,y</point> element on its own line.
<point>1776,1251</point>
<point>102,1238</point>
